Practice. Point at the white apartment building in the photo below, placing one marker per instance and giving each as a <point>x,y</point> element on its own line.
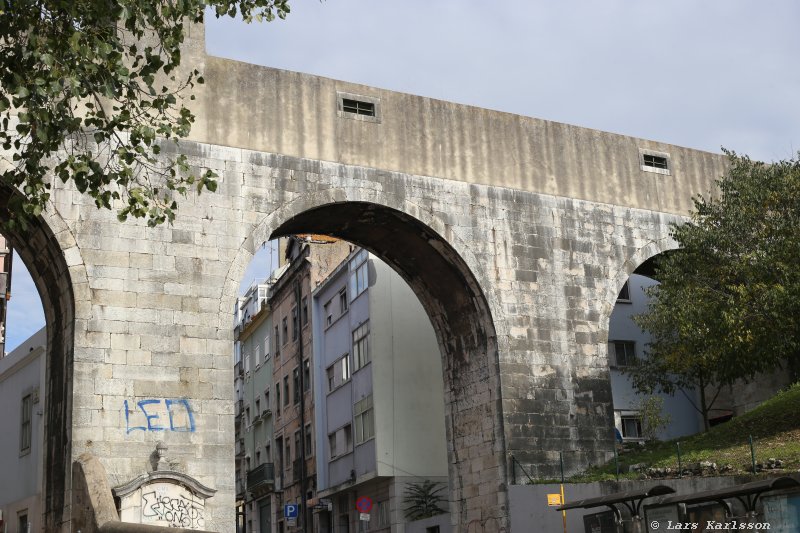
<point>22,374</point>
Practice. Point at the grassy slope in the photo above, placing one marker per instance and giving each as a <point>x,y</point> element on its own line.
<point>775,427</point>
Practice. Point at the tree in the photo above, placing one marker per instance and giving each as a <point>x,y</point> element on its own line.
<point>728,304</point>
<point>90,93</point>
<point>653,417</point>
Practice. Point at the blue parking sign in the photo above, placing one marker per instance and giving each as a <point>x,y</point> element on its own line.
<point>290,510</point>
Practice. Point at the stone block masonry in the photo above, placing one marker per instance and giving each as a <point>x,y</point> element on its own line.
<point>549,269</point>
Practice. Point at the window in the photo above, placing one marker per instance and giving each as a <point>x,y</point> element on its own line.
<point>306,375</point>
<point>258,355</point>
<point>343,301</point>
<point>25,426</point>
<point>432,529</point>
<point>332,445</point>
<point>258,407</point>
<point>296,383</point>
<point>343,525</point>
<point>382,512</point>
<point>285,324</point>
<point>309,438</point>
<point>361,345</point>
<point>304,312</point>
<point>247,361</point>
<point>339,372</point>
<point>624,353</point>
<point>359,269</point>
<point>295,324</point>
<point>268,453</point>
<point>657,162</point>
<point>267,346</point>
<point>340,442</point>
<point>285,390</point>
<point>327,312</point>
<point>289,454</point>
<point>624,293</point>
<point>631,427</point>
<point>348,437</point>
<point>279,449</point>
<point>22,521</point>
<point>358,107</point>
<point>278,399</point>
<point>277,342</point>
<point>297,444</point>
<point>654,161</point>
<point>364,420</point>
<point>258,457</point>
<point>247,416</point>
<point>267,405</point>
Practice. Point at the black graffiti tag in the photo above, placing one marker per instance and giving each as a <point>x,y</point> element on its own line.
<point>177,511</point>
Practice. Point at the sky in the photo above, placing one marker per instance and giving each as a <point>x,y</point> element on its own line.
<point>703,74</point>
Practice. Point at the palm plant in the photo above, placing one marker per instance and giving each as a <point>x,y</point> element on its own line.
<point>423,500</point>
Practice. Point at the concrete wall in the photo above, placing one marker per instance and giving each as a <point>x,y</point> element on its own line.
<point>271,110</point>
<point>22,374</point>
<point>742,397</point>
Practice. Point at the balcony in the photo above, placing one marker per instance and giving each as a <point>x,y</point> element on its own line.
<point>261,478</point>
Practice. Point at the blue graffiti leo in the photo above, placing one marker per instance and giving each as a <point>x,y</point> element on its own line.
<point>152,418</point>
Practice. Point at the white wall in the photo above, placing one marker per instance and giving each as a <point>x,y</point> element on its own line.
<point>22,373</point>
<point>408,390</point>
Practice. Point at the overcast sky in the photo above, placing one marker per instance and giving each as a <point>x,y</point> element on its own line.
<point>702,74</point>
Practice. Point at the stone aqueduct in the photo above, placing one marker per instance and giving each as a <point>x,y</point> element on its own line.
<point>515,233</point>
